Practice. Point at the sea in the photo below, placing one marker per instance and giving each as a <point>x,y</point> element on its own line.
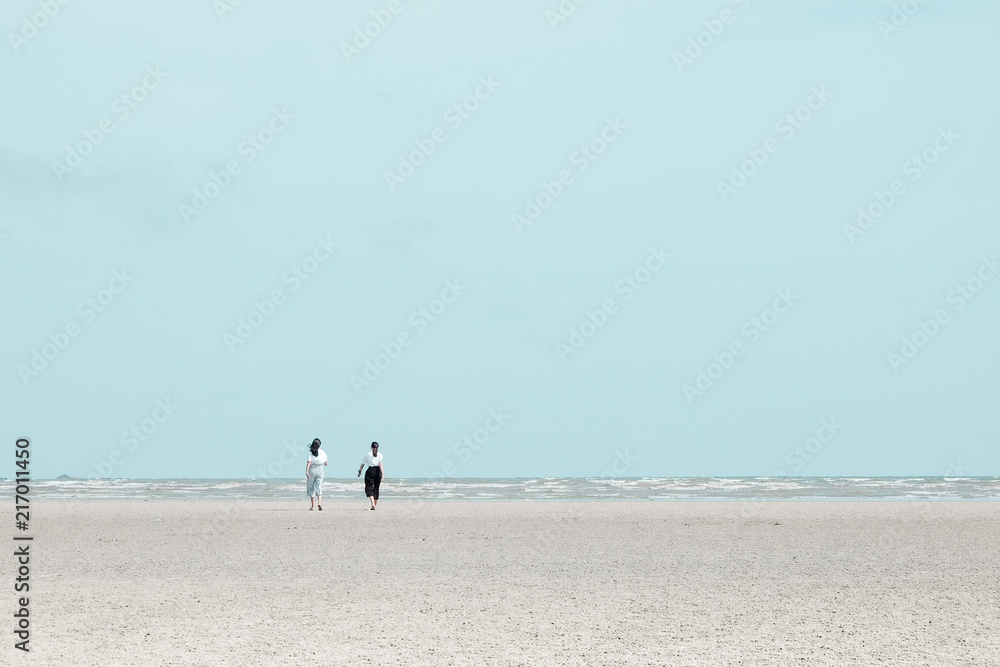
<point>524,489</point>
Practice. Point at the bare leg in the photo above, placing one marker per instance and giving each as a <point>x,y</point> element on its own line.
<point>319,502</point>
<point>310,503</point>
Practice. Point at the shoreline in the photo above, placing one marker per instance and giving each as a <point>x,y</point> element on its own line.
<point>416,499</point>
<point>752,490</point>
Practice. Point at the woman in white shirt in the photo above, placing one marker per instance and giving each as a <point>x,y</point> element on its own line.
<point>373,478</point>
<point>314,474</point>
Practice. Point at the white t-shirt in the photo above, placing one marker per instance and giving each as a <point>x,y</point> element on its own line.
<point>320,458</point>
<point>372,461</point>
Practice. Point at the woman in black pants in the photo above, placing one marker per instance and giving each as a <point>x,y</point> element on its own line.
<point>373,477</point>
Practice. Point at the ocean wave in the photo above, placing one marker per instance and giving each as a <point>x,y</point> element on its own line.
<point>519,489</point>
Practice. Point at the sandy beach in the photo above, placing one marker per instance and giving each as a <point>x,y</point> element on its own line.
<point>526,583</point>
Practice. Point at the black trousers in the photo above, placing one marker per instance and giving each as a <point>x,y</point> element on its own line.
<point>373,478</point>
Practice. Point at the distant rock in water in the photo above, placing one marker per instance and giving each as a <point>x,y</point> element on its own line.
<point>66,477</point>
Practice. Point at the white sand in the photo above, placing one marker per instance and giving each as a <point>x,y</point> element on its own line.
<point>781,583</point>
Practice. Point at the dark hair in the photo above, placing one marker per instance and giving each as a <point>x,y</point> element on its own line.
<point>314,448</point>
<point>374,444</point>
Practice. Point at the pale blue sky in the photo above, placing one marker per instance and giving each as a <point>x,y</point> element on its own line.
<point>495,344</point>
